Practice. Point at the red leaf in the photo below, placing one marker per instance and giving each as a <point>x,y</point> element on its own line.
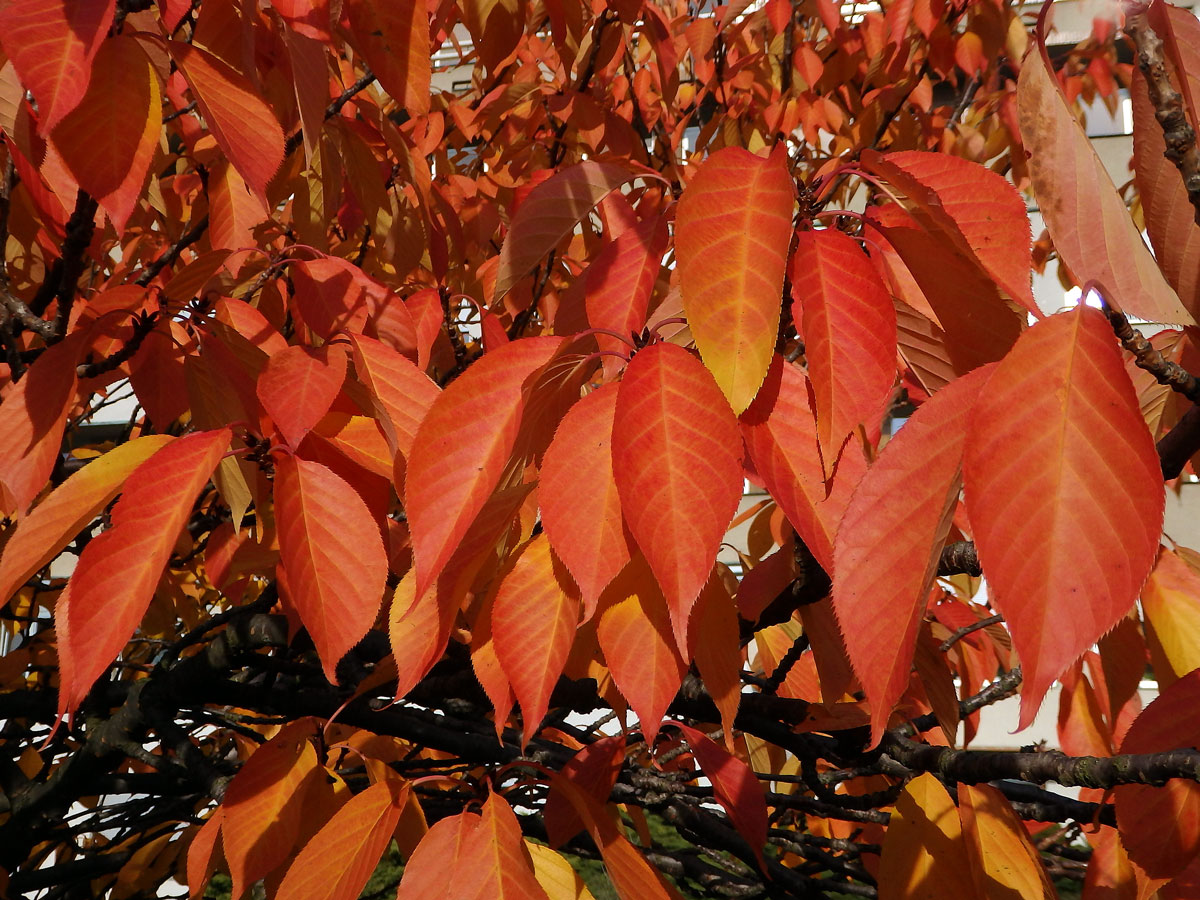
<point>551,212</point>
<point>461,448</point>
<point>264,803</point>
<point>394,40</point>
<point>1064,493</point>
<point>581,511</point>
<point>980,212</point>
<point>849,327</point>
<point>337,862</point>
<point>233,211</point>
<point>781,439</point>
<point>40,536</point>
<point>1160,826</point>
<point>236,115</point>
<point>298,387</point>
<point>52,44</point>
<point>118,570</point>
<point>1091,227</point>
<point>618,283</point>
<point>736,788</point>
<point>108,140</point>
<point>332,554</point>
<point>203,853</point>
<point>534,619</point>
<point>732,234</point>
<point>593,770</point>
<point>401,392</point>
<point>890,540</point>
<point>634,629</point>
<point>32,419</point>
<point>715,648</point>
<point>677,458</point>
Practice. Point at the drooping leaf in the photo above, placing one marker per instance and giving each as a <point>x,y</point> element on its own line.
<point>1087,218</point>
<point>333,556</point>
<point>108,140</point>
<point>551,212</point>
<point>1160,826</point>
<point>40,537</point>
<point>394,39</point>
<point>204,853</point>
<point>735,786</point>
<point>1003,858</point>
<point>336,863</point>
<point>581,511</point>
<point>117,571</point>
<point>499,866</point>
<point>677,458</point>
<point>732,233</point>
<point>555,874</point>
<point>715,649</point>
<point>233,210</point>
<point>634,628</point>
<point>298,386</point>
<point>461,447</point>
<point>264,803</point>
<point>401,392</point>
<point>976,209</point>
<point>593,770</point>
<point>1063,491</point>
<point>1171,613</point>
<point>924,855</point>
<point>849,327</point>
<point>52,44</point>
<point>891,537</point>
<point>781,440</point>
<point>440,855</point>
<point>236,115</point>
<point>534,619</point>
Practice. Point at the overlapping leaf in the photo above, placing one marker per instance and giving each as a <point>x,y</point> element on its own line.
<point>39,537</point>
<point>891,537</point>
<point>298,386</point>
<point>394,39</point>
<point>581,511</point>
<point>593,770</point>
<point>442,852</point>
<point>924,854</point>
<point>732,233</point>
<point>401,392</point>
<point>333,556</point>
<point>461,447</point>
<point>1004,860</point>
<point>677,458</point>
<point>849,328</point>
<point>1087,218</point>
<point>1063,491</point>
<point>1171,616</point>
<point>117,572</point>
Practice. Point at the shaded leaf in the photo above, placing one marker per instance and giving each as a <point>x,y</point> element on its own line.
<point>715,649</point>
<point>394,39</point>
<point>593,770</point>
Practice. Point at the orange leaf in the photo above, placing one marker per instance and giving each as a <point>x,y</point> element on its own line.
<point>298,386</point>
<point>394,40</point>
<point>337,862</point>
<point>924,855</point>
<point>1002,855</point>
<point>735,788</point>
<point>118,570</point>
<point>233,210</point>
<point>677,458</point>
<point>634,629</point>
<point>264,802</point>
<point>980,212</point>
<point>402,394</point>
<point>551,212</point>
<point>498,866</point>
<point>890,540</point>
<point>32,419</point>
<point>203,853</point>
<point>108,140</point>
<point>1064,493</point>
<point>440,855</point>
<point>52,44</point>
<point>593,771</point>
<point>781,439</point>
<point>461,448</point>
<point>488,672</point>
<point>849,328</point>
<point>332,554</point>
<point>238,118</point>
<point>40,536</point>
<point>534,619</point>
<point>581,511</point>
<point>1171,611</point>
<point>1092,230</point>
<point>715,648</point>
<point>1160,826</point>
<point>732,233</point>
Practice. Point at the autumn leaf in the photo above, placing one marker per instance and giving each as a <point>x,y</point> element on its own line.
<point>677,461</point>
<point>1171,609</point>
<point>924,854</point>
<point>1003,858</point>
<point>1063,491</point>
<point>401,393</point>
<point>298,386</point>
<point>333,555</point>
<point>715,649</point>
<point>114,580</point>
<point>732,233</point>
<point>394,38</point>
<point>890,540</point>
<point>593,770</point>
